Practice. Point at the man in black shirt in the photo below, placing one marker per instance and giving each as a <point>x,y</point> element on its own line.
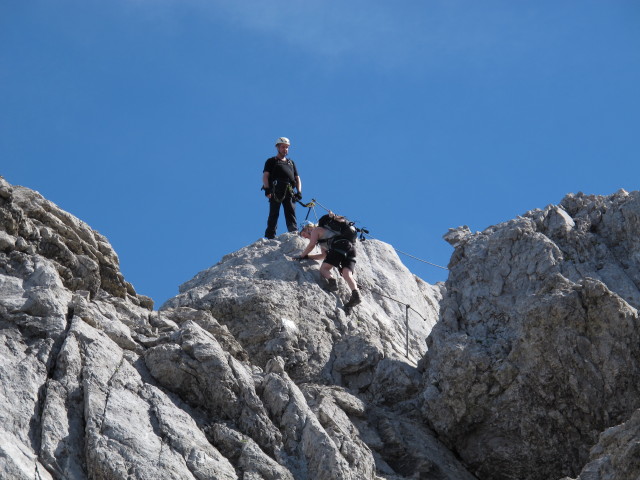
<point>279,178</point>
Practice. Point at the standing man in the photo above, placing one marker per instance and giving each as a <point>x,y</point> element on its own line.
<point>279,178</point>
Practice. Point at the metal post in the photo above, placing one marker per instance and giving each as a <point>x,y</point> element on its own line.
<point>406,323</point>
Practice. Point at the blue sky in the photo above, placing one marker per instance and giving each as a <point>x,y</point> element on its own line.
<point>151,119</point>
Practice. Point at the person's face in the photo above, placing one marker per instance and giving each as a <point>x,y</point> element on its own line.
<point>283,149</point>
<point>306,233</point>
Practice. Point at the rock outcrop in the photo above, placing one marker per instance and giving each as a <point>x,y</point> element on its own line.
<point>286,312</point>
<point>524,365</point>
<point>617,454</point>
<point>538,349</point>
<point>252,372</point>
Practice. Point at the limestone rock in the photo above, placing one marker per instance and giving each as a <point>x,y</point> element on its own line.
<point>216,381</point>
<point>277,307</point>
<point>253,372</point>
<point>298,340</point>
<point>524,365</point>
<point>617,453</point>
<point>83,258</point>
<point>77,400</point>
<point>538,348</point>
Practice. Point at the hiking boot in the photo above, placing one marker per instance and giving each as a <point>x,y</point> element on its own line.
<point>354,300</point>
<point>332,285</point>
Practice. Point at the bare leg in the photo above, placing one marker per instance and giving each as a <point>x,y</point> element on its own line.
<point>348,277</point>
<point>355,299</point>
<point>325,270</point>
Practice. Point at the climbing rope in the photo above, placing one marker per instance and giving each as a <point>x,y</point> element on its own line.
<point>409,255</point>
<point>408,306</point>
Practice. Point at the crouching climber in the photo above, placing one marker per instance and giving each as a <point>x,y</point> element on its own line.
<point>337,249</point>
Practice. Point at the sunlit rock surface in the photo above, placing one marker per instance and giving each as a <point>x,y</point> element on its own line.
<point>538,349</point>
<point>524,365</point>
<point>253,372</point>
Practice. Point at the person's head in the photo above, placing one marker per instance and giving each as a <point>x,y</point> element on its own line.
<point>282,145</point>
<point>305,232</point>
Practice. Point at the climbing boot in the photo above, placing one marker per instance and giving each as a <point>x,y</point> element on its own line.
<point>332,285</point>
<point>354,300</point>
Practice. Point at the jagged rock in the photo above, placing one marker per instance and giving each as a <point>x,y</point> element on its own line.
<point>538,348</point>
<point>84,259</point>
<point>77,402</point>
<point>253,462</point>
<point>617,454</point>
<point>277,307</point>
<point>320,454</point>
<point>237,377</point>
<point>255,372</point>
<point>132,429</point>
<point>193,364</point>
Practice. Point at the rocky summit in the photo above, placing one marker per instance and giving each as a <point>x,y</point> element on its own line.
<point>524,365</point>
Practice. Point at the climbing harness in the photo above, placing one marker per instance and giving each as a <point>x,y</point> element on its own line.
<point>276,187</point>
<point>341,246</point>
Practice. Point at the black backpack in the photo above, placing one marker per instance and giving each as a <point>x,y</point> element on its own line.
<point>340,225</point>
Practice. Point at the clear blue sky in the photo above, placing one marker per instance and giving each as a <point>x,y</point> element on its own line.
<point>151,119</point>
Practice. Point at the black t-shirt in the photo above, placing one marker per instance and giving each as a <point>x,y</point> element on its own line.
<point>281,170</point>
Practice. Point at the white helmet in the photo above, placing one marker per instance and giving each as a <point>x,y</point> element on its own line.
<point>284,140</point>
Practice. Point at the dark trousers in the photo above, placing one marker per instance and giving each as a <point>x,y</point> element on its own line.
<point>289,215</point>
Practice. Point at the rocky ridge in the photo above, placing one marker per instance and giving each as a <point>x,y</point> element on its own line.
<point>537,352</point>
<point>253,371</point>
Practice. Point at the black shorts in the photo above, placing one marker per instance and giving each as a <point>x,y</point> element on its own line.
<point>342,258</point>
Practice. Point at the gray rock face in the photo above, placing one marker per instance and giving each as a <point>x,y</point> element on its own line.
<point>617,454</point>
<point>286,312</point>
<point>253,372</point>
<point>77,400</point>
<point>538,349</point>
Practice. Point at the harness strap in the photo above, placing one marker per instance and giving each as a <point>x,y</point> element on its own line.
<point>287,191</point>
